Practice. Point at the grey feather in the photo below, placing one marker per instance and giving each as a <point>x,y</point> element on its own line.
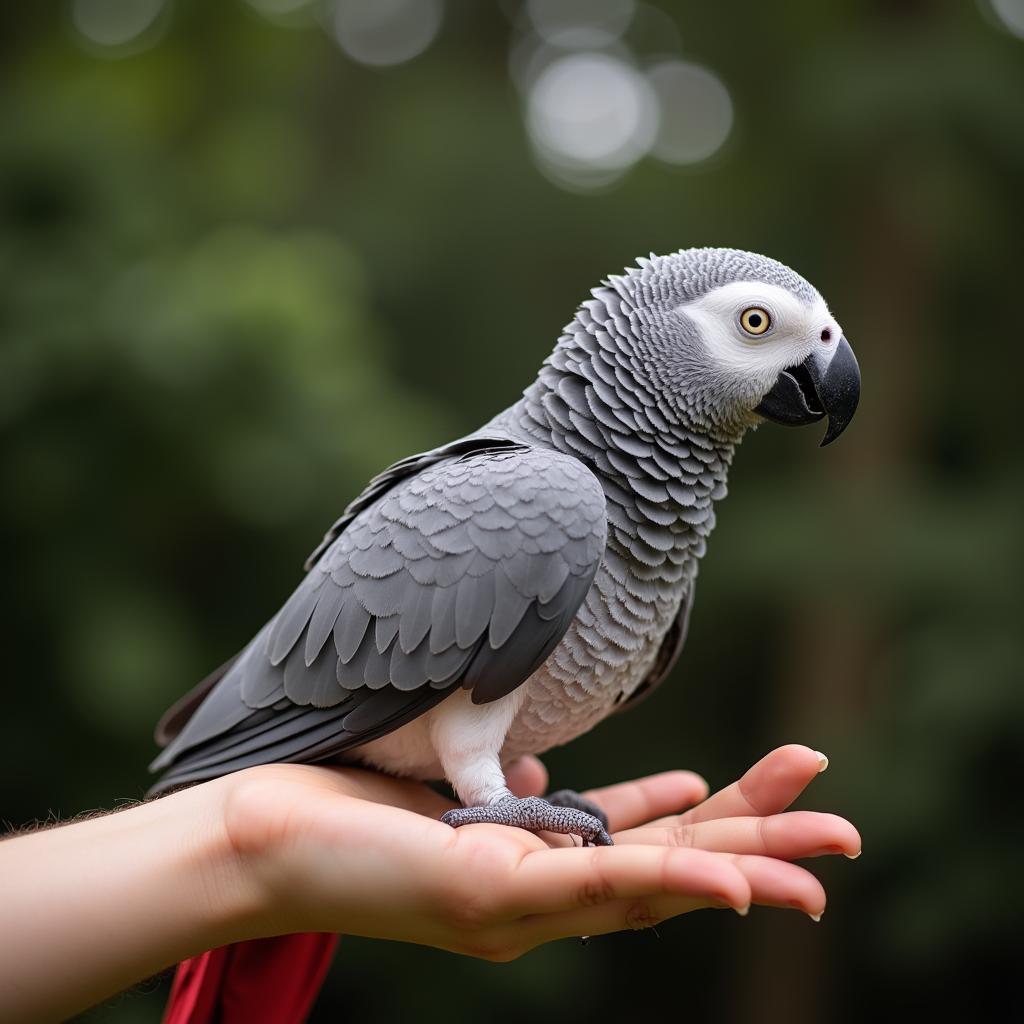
<point>387,630</point>
<point>442,630</point>
<point>321,623</point>
<point>510,604</point>
<point>474,605</point>
<point>415,621</point>
<point>350,629</point>
<point>292,620</point>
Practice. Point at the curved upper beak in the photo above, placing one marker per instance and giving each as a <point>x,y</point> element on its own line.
<point>826,383</point>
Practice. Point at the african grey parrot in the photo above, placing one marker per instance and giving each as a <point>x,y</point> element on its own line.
<point>503,593</point>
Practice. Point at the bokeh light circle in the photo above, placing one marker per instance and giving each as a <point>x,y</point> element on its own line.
<point>591,112</point>
<point>696,113</point>
<point>1011,14</point>
<point>386,32</point>
<point>580,24</point>
<point>114,23</point>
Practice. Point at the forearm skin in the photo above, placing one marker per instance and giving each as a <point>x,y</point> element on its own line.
<point>89,908</point>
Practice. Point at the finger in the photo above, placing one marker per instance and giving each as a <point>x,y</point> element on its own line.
<point>776,883</point>
<point>787,836</point>
<point>767,788</point>
<point>552,881</point>
<point>629,804</point>
<point>772,883</point>
<point>527,777</point>
<point>616,916</point>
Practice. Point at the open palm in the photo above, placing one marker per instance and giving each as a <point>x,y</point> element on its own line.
<point>341,849</point>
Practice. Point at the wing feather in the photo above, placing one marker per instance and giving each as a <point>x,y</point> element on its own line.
<point>463,567</point>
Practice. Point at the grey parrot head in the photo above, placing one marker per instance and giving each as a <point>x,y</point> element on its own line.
<point>731,338</point>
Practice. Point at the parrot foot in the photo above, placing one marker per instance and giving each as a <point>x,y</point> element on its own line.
<point>570,798</point>
<point>534,814</point>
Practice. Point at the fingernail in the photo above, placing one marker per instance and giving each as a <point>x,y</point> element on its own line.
<point>822,761</point>
<point>742,911</point>
<point>815,917</point>
<point>853,856</point>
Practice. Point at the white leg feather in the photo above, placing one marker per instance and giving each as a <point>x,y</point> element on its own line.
<point>468,738</point>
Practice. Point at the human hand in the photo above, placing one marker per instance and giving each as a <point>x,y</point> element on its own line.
<point>339,849</point>
<point>284,848</point>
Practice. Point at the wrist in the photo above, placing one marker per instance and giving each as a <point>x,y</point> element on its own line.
<point>255,891</point>
<point>225,873</point>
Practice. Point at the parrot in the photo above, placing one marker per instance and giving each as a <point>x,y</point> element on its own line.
<point>503,593</point>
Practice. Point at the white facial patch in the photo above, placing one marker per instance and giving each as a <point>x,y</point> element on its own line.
<point>795,328</point>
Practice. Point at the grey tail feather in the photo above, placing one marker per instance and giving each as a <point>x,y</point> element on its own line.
<point>309,739</point>
<point>176,717</point>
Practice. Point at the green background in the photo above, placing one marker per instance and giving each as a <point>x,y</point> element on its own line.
<point>239,273</point>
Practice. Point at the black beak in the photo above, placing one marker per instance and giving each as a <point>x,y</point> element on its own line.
<point>820,386</point>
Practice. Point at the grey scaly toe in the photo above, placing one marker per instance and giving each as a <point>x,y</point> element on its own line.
<point>570,798</point>
<point>534,814</point>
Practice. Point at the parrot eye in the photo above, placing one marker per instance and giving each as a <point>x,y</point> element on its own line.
<point>755,321</point>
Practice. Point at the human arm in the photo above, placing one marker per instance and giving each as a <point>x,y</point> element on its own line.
<point>92,907</point>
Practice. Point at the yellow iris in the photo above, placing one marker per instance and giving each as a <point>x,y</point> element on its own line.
<point>755,320</point>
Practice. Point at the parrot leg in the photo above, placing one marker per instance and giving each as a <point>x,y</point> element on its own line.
<point>468,738</point>
<point>534,814</point>
<point>570,798</point>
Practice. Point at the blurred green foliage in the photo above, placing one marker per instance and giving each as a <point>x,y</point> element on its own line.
<point>239,273</point>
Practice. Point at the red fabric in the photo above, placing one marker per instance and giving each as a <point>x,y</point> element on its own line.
<point>263,981</point>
